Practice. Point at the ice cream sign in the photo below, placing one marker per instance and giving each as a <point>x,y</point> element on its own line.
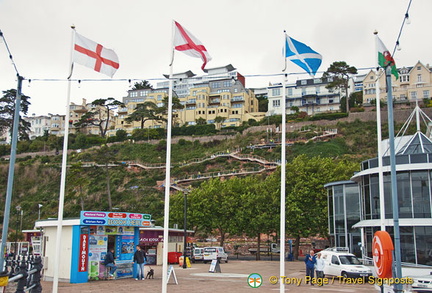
<point>114,219</point>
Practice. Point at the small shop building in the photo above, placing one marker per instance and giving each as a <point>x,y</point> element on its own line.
<point>85,242</point>
<point>151,240</point>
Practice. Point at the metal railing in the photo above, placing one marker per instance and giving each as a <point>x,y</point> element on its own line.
<point>25,271</point>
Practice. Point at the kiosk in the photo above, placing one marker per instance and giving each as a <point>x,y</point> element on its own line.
<point>85,242</point>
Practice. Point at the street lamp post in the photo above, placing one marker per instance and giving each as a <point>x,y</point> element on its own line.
<point>39,208</point>
<point>18,208</point>
<point>185,230</point>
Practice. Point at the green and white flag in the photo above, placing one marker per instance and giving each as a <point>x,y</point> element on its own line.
<point>385,58</point>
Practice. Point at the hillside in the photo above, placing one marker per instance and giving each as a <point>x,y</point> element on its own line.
<point>139,169</point>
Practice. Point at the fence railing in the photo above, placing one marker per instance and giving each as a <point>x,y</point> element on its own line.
<point>25,271</point>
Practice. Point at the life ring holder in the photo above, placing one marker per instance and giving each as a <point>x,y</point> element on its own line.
<point>382,252</point>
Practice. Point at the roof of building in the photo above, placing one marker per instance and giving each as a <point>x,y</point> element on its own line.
<point>418,144</point>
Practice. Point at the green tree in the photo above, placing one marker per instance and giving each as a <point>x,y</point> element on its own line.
<point>121,135</point>
<point>259,210</point>
<point>262,102</point>
<point>306,198</point>
<point>339,72</point>
<point>211,208</point>
<point>145,112</point>
<point>77,183</point>
<point>200,121</point>
<point>142,85</point>
<point>7,110</point>
<point>176,105</point>
<point>219,120</point>
<point>105,156</point>
<point>100,117</point>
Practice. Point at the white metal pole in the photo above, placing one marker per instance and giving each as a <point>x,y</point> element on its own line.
<point>63,179</point>
<point>282,198</point>
<point>167,177</point>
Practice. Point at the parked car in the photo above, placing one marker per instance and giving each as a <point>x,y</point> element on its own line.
<point>422,283</point>
<point>343,263</point>
<point>217,252</point>
<point>197,254</point>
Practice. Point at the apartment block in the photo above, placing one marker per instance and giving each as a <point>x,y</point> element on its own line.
<point>413,83</point>
<point>220,97</point>
<point>309,95</point>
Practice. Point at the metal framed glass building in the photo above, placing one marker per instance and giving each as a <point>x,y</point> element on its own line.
<point>355,209</point>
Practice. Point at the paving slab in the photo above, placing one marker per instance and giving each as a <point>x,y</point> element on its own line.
<point>233,278</point>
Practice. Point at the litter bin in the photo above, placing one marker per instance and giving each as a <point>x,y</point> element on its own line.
<point>173,257</point>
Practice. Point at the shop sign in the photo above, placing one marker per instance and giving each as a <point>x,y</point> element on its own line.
<point>82,262</point>
<point>114,219</point>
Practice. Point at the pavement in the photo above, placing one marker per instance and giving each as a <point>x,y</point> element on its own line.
<point>233,278</point>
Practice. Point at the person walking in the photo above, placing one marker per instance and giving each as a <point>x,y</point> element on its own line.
<point>319,268</point>
<point>310,261</point>
<point>140,260</point>
<point>110,263</point>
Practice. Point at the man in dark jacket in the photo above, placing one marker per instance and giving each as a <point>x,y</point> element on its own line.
<point>140,259</point>
<point>310,262</point>
<point>109,262</point>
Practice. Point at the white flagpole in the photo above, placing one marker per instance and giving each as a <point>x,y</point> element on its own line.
<point>63,176</point>
<point>379,138</point>
<point>283,175</point>
<point>167,176</point>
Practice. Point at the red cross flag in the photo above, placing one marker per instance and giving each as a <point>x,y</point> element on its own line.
<point>184,41</point>
<point>95,56</point>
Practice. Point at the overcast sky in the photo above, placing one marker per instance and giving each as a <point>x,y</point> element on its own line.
<point>245,33</point>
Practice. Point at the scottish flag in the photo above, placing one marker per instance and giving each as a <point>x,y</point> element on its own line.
<point>302,55</point>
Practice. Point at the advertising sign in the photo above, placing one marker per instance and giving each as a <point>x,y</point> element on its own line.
<point>83,253</point>
<point>115,219</point>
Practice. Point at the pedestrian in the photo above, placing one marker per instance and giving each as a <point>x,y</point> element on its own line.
<point>319,268</point>
<point>140,260</point>
<point>110,263</point>
<point>310,261</point>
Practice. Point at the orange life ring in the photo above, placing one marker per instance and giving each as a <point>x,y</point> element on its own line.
<point>382,247</point>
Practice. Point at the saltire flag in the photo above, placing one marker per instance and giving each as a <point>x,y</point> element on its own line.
<point>302,55</point>
<point>185,42</point>
<point>93,55</point>
<point>385,58</point>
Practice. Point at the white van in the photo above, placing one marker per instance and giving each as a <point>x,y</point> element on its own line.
<point>216,252</point>
<point>197,254</point>
<point>342,263</point>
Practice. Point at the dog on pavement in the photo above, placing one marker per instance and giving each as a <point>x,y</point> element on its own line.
<point>150,274</point>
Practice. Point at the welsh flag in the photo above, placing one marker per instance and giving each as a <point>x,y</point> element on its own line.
<point>385,58</point>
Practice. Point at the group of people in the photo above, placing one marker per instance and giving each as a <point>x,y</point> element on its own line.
<point>140,259</point>
<point>314,264</point>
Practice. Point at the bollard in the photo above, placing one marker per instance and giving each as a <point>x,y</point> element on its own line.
<point>36,277</point>
<point>23,280</point>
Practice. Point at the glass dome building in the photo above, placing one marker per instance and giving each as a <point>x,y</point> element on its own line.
<point>356,209</point>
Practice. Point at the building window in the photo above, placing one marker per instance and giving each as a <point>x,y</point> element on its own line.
<point>426,94</point>
<point>419,78</point>
<point>276,92</point>
<point>413,95</point>
<point>404,78</point>
<point>276,103</point>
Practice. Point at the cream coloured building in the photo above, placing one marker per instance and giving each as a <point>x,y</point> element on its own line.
<point>414,83</point>
<point>77,111</point>
<point>221,93</point>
